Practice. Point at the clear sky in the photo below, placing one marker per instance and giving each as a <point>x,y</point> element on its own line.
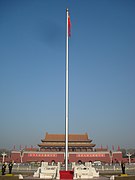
<point>101,70</point>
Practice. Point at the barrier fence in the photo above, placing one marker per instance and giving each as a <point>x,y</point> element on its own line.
<point>101,168</point>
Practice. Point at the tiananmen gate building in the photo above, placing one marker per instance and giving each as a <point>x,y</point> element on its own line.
<point>52,149</point>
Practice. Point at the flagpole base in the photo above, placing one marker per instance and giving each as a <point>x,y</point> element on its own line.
<point>66,175</point>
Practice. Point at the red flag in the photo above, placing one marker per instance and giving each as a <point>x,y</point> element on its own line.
<point>69,26</point>
<point>118,148</point>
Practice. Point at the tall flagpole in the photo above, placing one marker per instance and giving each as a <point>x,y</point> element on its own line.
<point>67,114</point>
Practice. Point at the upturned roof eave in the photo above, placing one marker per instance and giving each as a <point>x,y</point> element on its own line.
<point>44,140</point>
<point>63,145</point>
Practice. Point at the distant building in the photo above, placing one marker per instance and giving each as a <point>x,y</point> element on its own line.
<point>76,143</point>
<point>52,149</point>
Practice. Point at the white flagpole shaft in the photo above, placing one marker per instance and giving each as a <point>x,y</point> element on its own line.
<point>67,115</point>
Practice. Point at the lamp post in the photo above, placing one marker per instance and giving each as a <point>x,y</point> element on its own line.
<point>129,157</point>
<point>21,156</point>
<point>3,155</point>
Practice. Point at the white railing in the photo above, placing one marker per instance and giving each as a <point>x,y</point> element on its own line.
<point>101,168</point>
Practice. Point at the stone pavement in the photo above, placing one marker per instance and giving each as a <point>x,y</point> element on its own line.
<point>100,178</point>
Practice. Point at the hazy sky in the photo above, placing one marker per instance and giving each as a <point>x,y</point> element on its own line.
<point>101,70</point>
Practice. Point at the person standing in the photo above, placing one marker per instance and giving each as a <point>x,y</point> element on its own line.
<point>123,167</point>
<point>10,165</point>
<point>3,168</point>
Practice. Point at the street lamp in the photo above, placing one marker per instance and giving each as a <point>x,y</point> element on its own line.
<point>3,155</point>
<point>129,157</point>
